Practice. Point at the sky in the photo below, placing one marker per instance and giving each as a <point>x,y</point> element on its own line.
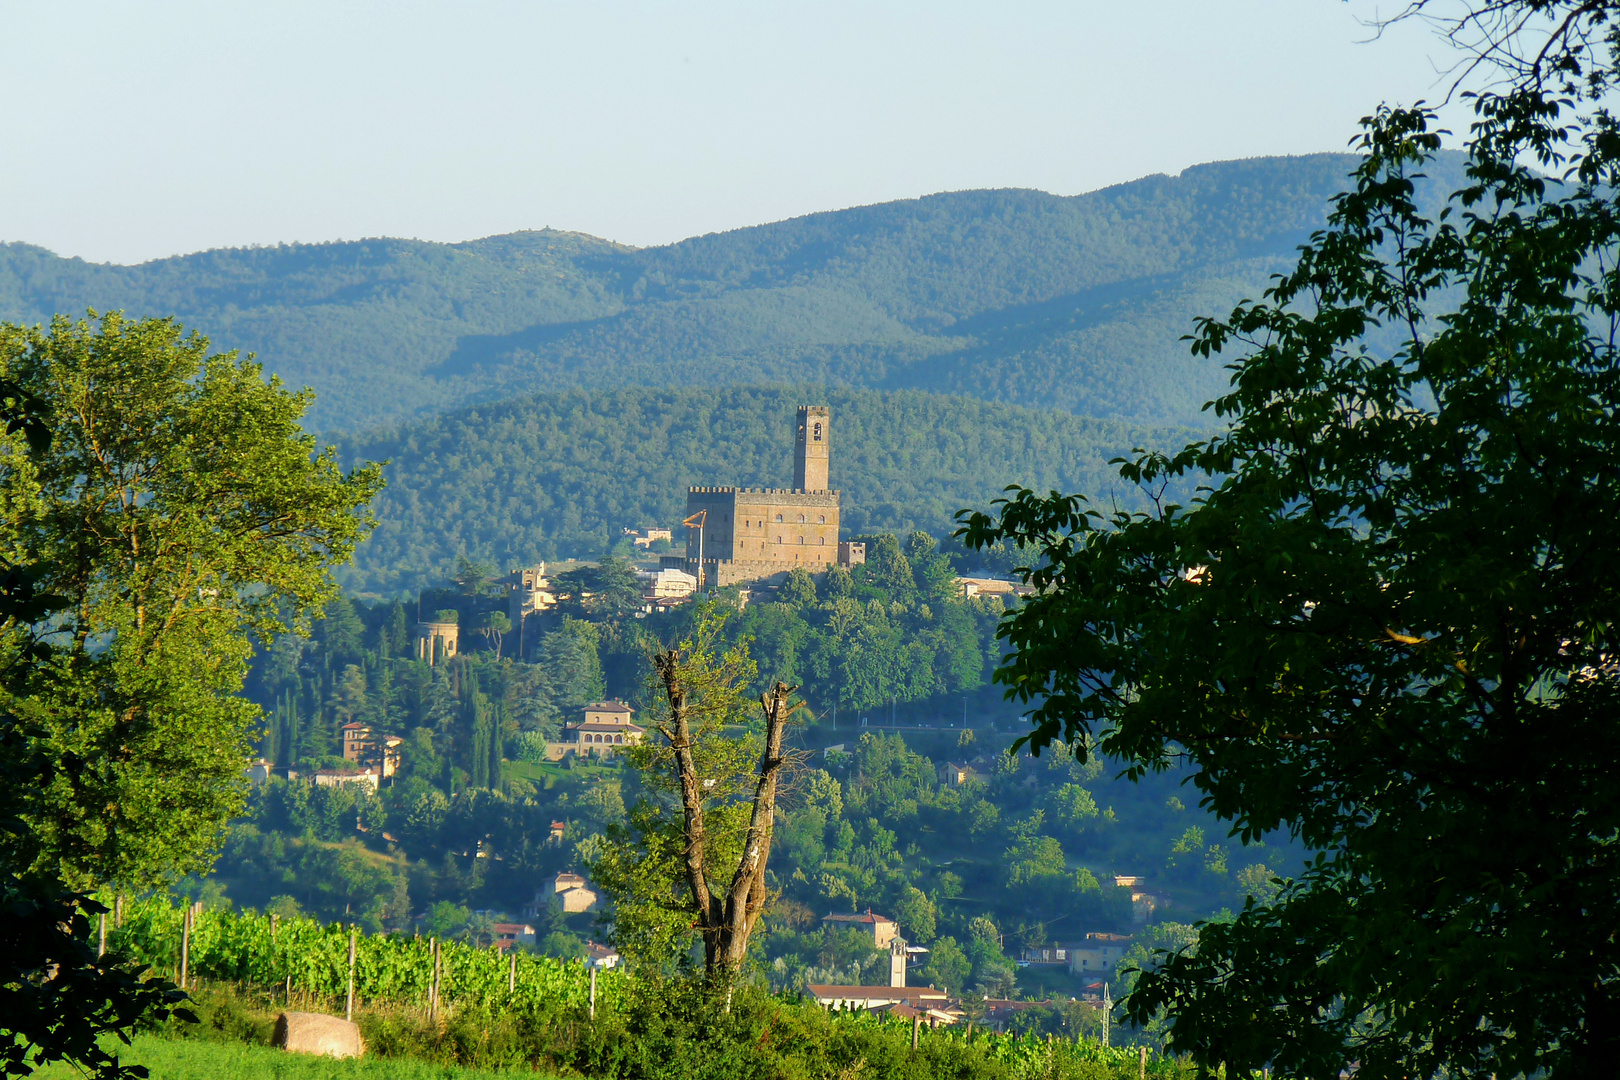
<point>134,131</point>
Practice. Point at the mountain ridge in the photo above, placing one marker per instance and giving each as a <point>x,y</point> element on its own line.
<point>1073,302</point>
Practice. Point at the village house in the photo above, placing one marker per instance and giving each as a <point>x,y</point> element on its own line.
<point>955,774</point>
<point>574,893</point>
<point>878,997</point>
<point>970,587</point>
<point>1098,953</point>
<point>510,934</point>
<point>646,538</point>
<point>368,752</point>
<point>605,730</point>
<point>668,583</point>
<point>1143,902</point>
<point>1046,954</point>
<point>882,928</point>
<point>601,957</point>
<point>338,777</point>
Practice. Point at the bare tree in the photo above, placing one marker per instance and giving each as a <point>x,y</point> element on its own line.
<point>725,916</point>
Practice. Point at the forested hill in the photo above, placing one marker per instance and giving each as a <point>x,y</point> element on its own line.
<point>1076,303</point>
<point>561,474</point>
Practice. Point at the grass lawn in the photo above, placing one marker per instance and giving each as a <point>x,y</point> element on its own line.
<point>539,774</point>
<point>196,1059</point>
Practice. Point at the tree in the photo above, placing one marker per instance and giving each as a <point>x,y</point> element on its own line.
<point>1385,626</point>
<point>713,835</point>
<point>948,966</point>
<point>800,588</point>
<point>59,996</point>
<point>493,626</point>
<point>180,511</point>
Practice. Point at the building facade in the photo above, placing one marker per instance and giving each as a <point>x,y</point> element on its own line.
<point>368,751</point>
<point>605,730</point>
<point>437,641</point>
<point>882,928</point>
<point>1098,953</point>
<point>752,533</point>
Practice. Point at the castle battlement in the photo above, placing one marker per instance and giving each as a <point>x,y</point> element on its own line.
<point>757,491</point>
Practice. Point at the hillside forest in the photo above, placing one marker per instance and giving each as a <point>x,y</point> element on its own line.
<point>560,475</point>
<point>1077,303</point>
<point>894,664</point>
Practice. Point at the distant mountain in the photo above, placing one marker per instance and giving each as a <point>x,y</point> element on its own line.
<point>1076,303</point>
<point>561,474</point>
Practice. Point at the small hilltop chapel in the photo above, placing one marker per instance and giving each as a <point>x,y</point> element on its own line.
<point>748,534</point>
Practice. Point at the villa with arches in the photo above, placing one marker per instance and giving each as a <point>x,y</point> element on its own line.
<point>605,730</point>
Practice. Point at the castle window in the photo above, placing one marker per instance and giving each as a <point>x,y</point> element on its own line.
<point>818,431</point>
<point>778,539</point>
<point>801,539</point>
<point>779,519</point>
<point>823,520</point>
<point>822,541</point>
<point>801,519</point>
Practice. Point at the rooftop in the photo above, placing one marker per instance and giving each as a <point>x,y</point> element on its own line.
<point>609,706</point>
<point>878,993</point>
<point>867,918</point>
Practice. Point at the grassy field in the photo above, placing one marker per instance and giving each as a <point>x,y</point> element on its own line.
<point>196,1059</point>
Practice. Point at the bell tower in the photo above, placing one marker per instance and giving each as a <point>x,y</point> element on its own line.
<point>812,448</point>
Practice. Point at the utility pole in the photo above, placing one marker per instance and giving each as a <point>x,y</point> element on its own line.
<point>697,521</point>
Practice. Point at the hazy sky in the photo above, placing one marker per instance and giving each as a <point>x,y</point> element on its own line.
<point>138,130</point>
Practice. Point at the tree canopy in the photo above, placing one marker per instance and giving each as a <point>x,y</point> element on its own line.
<point>1385,627</point>
<point>179,513</point>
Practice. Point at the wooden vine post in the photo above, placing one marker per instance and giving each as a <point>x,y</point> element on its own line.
<point>101,949</point>
<point>433,990</point>
<point>185,946</point>
<point>348,1012</point>
<point>511,973</point>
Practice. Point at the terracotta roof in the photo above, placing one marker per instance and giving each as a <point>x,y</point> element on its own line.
<point>608,706</point>
<point>878,993</point>
<point>603,725</point>
<point>352,727</point>
<point>867,918</point>
<point>512,928</point>
<point>599,952</point>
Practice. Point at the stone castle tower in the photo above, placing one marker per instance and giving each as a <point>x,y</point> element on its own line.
<point>751,534</point>
<point>812,448</point>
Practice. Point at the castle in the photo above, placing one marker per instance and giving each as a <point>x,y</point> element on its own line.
<point>747,534</point>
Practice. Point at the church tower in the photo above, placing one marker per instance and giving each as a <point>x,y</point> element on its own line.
<point>812,448</point>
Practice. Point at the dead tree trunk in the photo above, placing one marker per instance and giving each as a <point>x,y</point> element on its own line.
<point>724,920</point>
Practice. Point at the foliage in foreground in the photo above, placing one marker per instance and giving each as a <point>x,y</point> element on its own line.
<point>673,1030</point>
<point>1387,630</point>
<point>646,1026</point>
<point>178,512</point>
<point>202,1059</point>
